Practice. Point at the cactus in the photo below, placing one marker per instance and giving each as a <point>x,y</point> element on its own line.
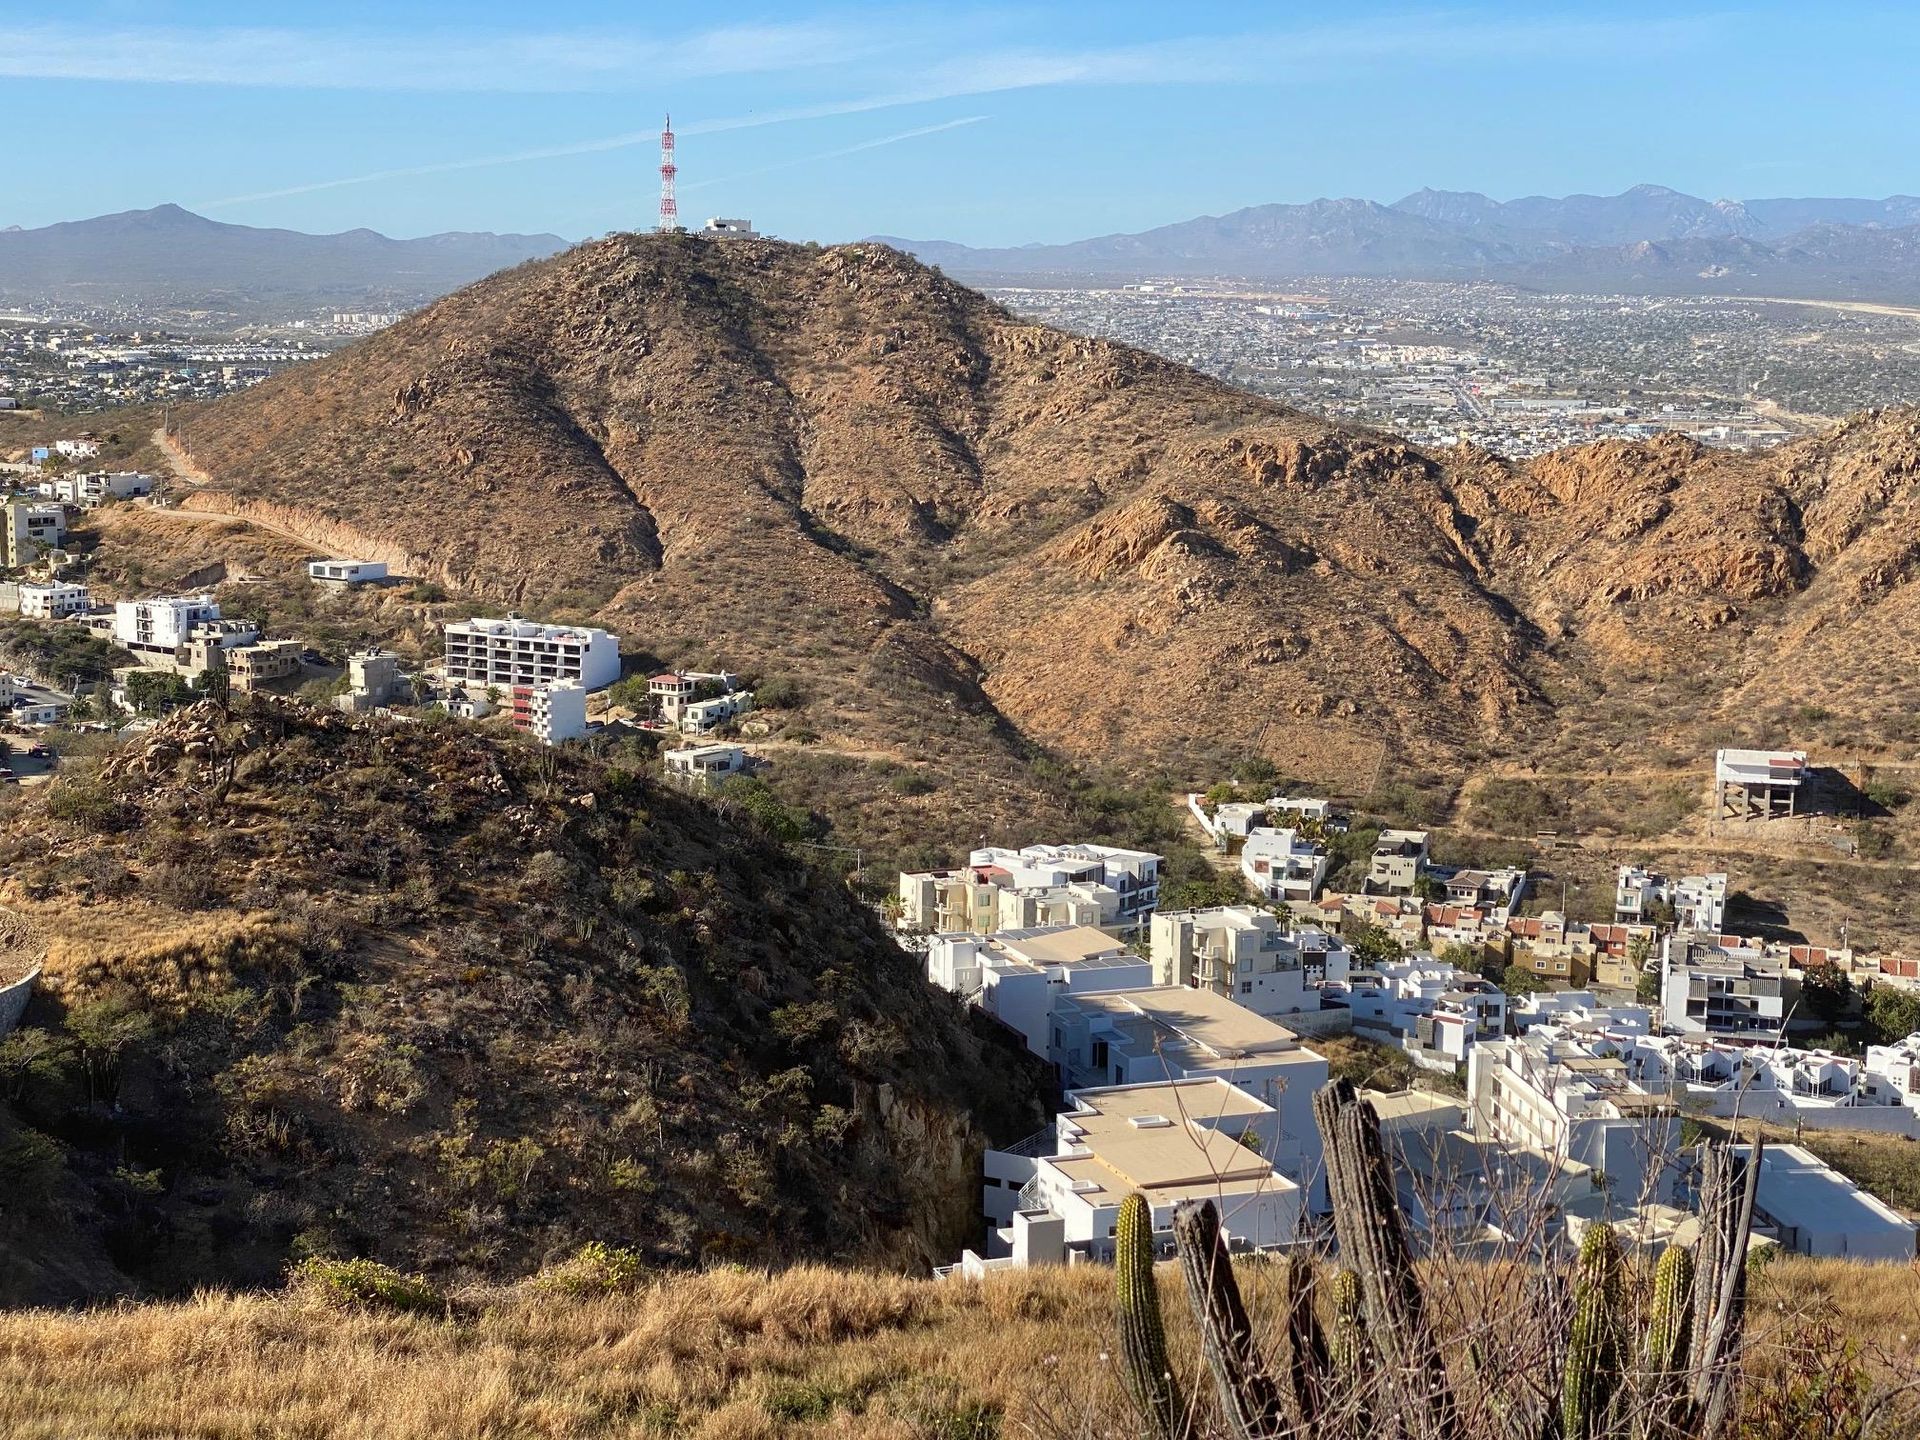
<point>1250,1398</point>
<point>1143,1339</point>
<point>1670,1322</point>
<point>1593,1349</point>
<point>1347,1346</point>
<point>1366,1217</point>
<point>1307,1361</point>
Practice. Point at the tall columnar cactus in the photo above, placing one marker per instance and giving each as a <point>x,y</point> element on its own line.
<point>1366,1218</point>
<point>1143,1339</point>
<point>1670,1321</point>
<point>1251,1400</point>
<point>1593,1346</point>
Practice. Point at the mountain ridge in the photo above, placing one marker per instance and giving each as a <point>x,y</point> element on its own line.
<point>168,252</point>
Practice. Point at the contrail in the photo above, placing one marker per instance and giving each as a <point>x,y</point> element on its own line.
<point>580,147</point>
<point>844,150</point>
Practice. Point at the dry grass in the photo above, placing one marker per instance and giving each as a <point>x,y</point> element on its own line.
<point>724,1353</point>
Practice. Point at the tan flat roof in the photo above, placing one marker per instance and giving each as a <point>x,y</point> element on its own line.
<point>1201,1016</point>
<point>1063,947</point>
<point>1175,1159</point>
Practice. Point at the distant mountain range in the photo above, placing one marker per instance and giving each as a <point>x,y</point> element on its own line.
<point>174,256</point>
<point>1649,238</point>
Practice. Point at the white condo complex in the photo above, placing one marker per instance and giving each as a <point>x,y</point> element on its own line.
<point>513,651</point>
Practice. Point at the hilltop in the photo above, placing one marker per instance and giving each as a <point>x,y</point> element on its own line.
<point>972,541</point>
<point>317,984</point>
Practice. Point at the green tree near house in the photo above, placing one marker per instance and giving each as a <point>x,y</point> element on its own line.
<point>1827,994</point>
<point>1892,1014</point>
<point>1518,980</point>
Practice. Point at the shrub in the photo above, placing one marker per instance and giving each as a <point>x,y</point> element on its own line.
<point>87,804</point>
<point>365,1284</point>
<point>596,1268</point>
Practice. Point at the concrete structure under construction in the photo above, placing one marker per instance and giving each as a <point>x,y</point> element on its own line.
<point>1758,784</point>
<point>504,653</point>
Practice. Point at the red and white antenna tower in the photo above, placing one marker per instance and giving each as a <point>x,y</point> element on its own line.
<point>669,208</point>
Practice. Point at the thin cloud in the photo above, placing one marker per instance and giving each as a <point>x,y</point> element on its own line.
<point>439,61</point>
<point>1305,55</point>
<point>914,134</point>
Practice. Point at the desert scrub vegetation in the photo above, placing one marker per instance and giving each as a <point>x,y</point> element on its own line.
<point>457,1005</point>
<point>729,1353</point>
<point>365,1283</point>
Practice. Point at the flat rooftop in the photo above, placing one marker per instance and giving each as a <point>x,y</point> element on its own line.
<point>1201,1016</point>
<point>1074,945</point>
<point>1149,1138</point>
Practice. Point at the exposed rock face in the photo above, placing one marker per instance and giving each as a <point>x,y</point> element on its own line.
<point>838,462</point>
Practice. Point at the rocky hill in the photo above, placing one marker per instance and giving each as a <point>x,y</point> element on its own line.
<point>969,540</point>
<point>324,985</point>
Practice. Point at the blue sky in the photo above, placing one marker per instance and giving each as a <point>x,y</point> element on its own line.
<point>991,125</point>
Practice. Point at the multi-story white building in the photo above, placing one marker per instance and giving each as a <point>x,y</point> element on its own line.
<point>1399,860</point>
<point>32,530</point>
<point>509,652</point>
<point>97,488</point>
<point>1248,957</point>
<point>1699,901</point>
<point>1426,1007</point>
<point>1133,875</point>
<point>1891,1073</point>
<point>1283,866</point>
<point>182,632</point>
<point>696,701</point>
<point>1708,989</point>
<point>552,713</point>
<point>52,602</point>
<point>1174,1032</point>
<point>1576,1010</point>
<point>1016,975</point>
<point>1548,1092</point>
<point>1169,1141</point>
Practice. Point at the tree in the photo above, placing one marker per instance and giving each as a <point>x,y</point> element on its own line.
<point>1892,1014</point>
<point>1370,944</point>
<point>1826,993</point>
<point>154,692</point>
<point>1518,980</point>
<point>1646,989</point>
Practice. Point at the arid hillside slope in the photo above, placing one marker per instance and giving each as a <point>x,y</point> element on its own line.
<point>839,465</point>
<point>326,985</point>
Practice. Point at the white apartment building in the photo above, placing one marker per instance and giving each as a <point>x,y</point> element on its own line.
<point>1016,976</point>
<point>705,764</point>
<point>1726,1077</point>
<point>505,653</point>
<point>1133,875</point>
<point>1168,1141</point>
<point>1283,866</point>
<point>1891,1073</point>
<point>346,572</point>
<point>1174,1032</point>
<point>1426,1007</point>
<point>180,631</point>
<point>32,530</point>
<point>1699,901</point>
<point>1246,956</point>
<point>1709,990</point>
<point>1576,1010</point>
<point>52,602</point>
<point>552,713</point>
<point>1399,860</point>
<point>94,489</point>
<point>1551,1093</point>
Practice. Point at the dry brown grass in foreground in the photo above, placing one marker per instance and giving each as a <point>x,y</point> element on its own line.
<point>727,1353</point>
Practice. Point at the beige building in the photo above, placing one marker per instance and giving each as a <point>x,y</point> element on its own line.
<point>32,530</point>
<point>269,665</point>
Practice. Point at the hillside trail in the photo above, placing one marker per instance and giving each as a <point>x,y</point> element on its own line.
<point>181,463</point>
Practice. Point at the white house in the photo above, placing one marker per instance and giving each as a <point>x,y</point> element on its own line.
<point>1892,1072</point>
<point>1133,875</point>
<point>1426,1007</point>
<point>1576,1009</point>
<point>1247,956</point>
<point>1283,866</point>
<point>1016,975</point>
<point>504,653</point>
<point>1549,1092</point>
<point>705,764</point>
<point>52,602</point>
<point>179,631</point>
<point>1169,1141</point>
<point>696,701</point>
<point>552,713</point>
<point>346,572</point>
<point>1708,989</point>
<point>94,489</point>
<point>1174,1032</point>
<point>32,530</point>
<point>77,449</point>
<point>1699,901</point>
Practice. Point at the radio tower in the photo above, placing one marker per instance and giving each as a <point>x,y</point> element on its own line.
<point>669,210</point>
